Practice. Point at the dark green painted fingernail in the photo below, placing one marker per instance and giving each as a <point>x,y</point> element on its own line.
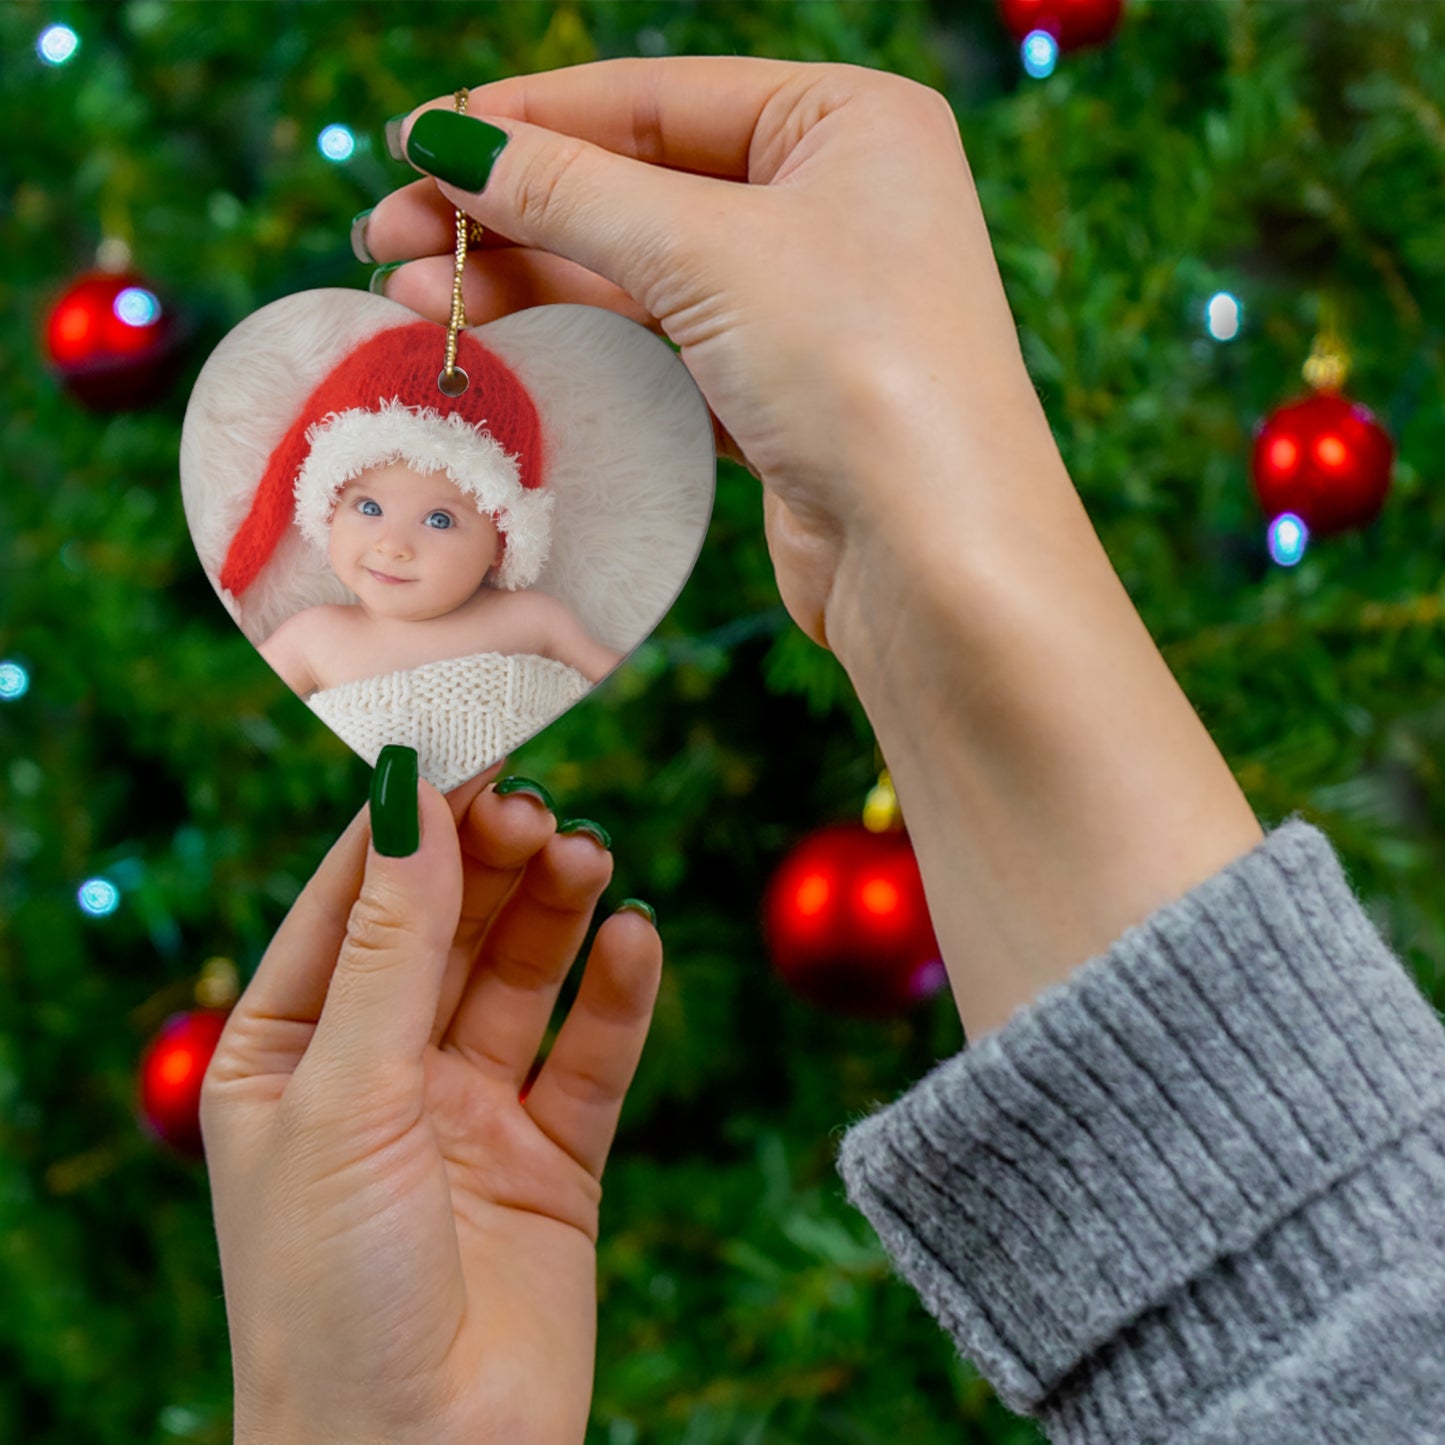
<point>359,248</point>
<point>377,284</point>
<point>395,813</point>
<point>393,137</point>
<point>526,785</point>
<point>455,148</point>
<point>636,905</point>
<point>586,825</point>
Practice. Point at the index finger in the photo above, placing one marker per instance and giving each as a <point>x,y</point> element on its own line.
<point>698,113</point>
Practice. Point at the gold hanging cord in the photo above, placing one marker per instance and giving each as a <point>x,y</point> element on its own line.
<point>452,380</point>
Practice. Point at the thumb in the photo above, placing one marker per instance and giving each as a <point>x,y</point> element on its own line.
<point>382,1000</point>
<point>633,223</point>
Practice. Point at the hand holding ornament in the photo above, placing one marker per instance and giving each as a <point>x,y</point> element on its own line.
<point>407,1230</point>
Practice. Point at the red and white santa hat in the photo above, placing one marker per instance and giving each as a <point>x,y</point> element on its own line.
<point>381,404</point>
<point>580,432</point>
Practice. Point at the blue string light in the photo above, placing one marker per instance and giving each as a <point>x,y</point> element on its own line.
<point>136,306</point>
<point>98,897</point>
<point>14,681</point>
<point>336,143</point>
<point>57,44</point>
<point>1288,538</point>
<point>1040,52</point>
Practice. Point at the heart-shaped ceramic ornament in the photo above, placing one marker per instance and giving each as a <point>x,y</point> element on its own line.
<point>451,573</point>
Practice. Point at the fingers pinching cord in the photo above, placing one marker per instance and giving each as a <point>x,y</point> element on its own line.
<point>556,193</point>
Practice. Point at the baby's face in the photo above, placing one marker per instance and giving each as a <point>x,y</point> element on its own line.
<point>410,544</point>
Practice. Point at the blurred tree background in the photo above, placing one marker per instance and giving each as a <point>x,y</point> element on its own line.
<point>1289,154</point>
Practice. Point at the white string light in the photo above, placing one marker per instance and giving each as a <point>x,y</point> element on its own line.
<point>57,44</point>
<point>1223,316</point>
<point>98,897</point>
<point>336,143</point>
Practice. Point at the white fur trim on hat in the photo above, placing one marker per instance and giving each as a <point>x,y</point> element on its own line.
<point>345,444</point>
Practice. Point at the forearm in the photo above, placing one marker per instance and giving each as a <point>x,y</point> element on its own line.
<point>1057,784</point>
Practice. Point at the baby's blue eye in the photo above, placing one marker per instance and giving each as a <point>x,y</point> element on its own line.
<point>440,520</point>
<point>366,502</point>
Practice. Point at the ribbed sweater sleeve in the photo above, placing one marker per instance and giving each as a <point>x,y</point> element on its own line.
<point>1196,1192</point>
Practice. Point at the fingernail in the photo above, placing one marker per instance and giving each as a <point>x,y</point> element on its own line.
<point>395,812</point>
<point>525,785</point>
<point>636,905</point>
<point>379,277</point>
<point>455,148</point>
<point>393,137</point>
<point>359,248</point>
<point>586,825</point>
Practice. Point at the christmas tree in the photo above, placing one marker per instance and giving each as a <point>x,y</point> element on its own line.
<point>1181,212</point>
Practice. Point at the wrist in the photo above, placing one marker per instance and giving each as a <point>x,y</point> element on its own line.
<point>960,491</point>
<point>1057,784</point>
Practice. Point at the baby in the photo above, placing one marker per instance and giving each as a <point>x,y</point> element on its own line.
<point>420,555</point>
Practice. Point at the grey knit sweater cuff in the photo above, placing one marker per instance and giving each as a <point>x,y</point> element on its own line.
<point>1132,1197</point>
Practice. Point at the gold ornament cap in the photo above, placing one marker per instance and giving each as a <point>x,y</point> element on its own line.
<point>219,984</point>
<point>1328,367</point>
<point>881,813</point>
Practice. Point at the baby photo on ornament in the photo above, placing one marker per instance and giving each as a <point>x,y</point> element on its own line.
<point>450,572</point>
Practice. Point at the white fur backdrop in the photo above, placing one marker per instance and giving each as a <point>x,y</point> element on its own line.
<point>631,462</point>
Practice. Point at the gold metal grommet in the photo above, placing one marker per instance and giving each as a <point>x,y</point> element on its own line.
<point>453,382</point>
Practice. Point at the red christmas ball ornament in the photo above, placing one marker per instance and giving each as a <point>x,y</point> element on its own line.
<point>171,1072</point>
<point>111,341</point>
<point>1324,458</point>
<point>847,925</point>
<point>1074,24</point>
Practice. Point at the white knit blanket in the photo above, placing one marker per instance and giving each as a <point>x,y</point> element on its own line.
<point>461,715</point>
